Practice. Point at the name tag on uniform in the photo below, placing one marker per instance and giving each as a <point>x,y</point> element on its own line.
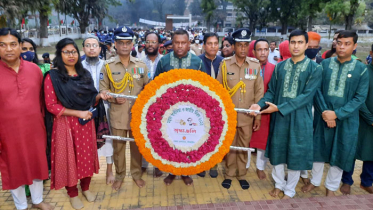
<point>116,73</point>
<point>230,73</point>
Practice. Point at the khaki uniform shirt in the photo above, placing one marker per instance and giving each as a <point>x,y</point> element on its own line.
<point>254,87</point>
<point>120,114</point>
<point>197,49</point>
<point>111,53</point>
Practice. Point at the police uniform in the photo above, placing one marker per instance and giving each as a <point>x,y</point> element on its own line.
<point>248,83</point>
<point>102,38</point>
<point>136,76</point>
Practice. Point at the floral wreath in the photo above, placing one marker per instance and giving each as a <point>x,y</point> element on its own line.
<point>187,90</point>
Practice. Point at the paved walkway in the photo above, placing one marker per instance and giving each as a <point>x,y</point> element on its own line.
<point>205,193</point>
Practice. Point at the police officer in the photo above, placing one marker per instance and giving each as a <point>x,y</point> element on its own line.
<point>101,37</point>
<point>125,75</point>
<point>240,75</point>
<point>110,36</point>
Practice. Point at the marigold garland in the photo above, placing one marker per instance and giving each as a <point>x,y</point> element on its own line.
<point>207,89</point>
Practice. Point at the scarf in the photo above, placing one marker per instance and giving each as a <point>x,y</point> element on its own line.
<point>78,93</point>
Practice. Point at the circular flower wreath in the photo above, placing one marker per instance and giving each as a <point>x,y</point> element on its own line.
<point>157,102</point>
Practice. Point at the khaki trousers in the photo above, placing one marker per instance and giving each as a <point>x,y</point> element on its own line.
<point>120,156</point>
<point>236,160</point>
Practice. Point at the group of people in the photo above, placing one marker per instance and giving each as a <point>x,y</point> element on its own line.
<point>312,111</point>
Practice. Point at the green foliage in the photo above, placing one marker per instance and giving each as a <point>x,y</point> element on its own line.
<point>81,10</point>
<point>195,7</point>
<point>208,8</point>
<point>254,10</point>
<point>345,11</point>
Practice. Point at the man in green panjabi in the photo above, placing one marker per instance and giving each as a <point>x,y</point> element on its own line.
<point>180,57</point>
<point>343,91</point>
<point>364,144</point>
<point>290,96</point>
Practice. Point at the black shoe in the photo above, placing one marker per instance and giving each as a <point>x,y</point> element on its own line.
<point>244,184</point>
<point>214,173</point>
<point>226,183</point>
<point>202,174</point>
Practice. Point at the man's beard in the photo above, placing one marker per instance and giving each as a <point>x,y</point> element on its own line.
<point>92,60</point>
<point>155,52</point>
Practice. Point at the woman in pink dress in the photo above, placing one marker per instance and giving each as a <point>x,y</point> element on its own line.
<point>69,93</point>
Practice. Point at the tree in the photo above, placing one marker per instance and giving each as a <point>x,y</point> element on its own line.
<point>178,7</point>
<point>195,8</point>
<point>252,10</point>
<point>11,10</point>
<point>101,10</point>
<point>354,8</point>
<point>158,5</point>
<point>82,10</point>
<point>208,8</point>
<point>345,11</point>
<point>285,11</point>
<point>309,10</point>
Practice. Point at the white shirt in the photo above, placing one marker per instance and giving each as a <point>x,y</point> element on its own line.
<point>271,56</point>
<point>95,71</point>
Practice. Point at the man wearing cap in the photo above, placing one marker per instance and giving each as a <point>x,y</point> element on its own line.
<point>102,37</point>
<point>46,58</point>
<point>197,47</point>
<point>168,46</point>
<point>110,52</point>
<point>110,36</point>
<point>94,65</point>
<point>289,98</point>
<point>125,75</point>
<point>179,58</point>
<point>240,75</point>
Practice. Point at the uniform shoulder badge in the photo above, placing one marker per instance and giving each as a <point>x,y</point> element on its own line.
<point>111,60</point>
<point>140,61</point>
<point>227,58</point>
<point>253,59</point>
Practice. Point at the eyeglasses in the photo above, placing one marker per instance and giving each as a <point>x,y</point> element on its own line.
<point>89,45</point>
<point>28,49</point>
<point>12,45</point>
<point>149,42</point>
<point>73,53</point>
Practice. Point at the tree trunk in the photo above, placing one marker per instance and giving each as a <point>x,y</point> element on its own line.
<point>100,19</point>
<point>348,22</point>
<point>252,27</point>
<point>284,29</point>
<point>83,25</point>
<point>310,20</point>
<point>43,14</point>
